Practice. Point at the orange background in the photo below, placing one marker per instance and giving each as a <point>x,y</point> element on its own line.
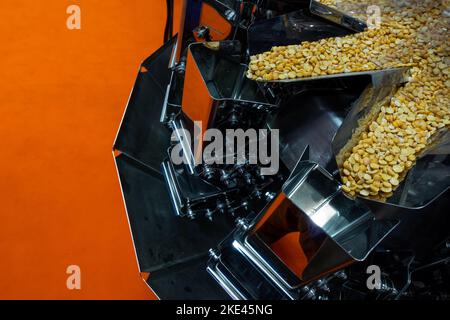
<point>62,95</point>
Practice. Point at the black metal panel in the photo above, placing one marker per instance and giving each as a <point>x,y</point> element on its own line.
<point>188,281</point>
<point>162,239</point>
<point>291,28</point>
<point>312,118</point>
<point>141,135</point>
<point>420,229</point>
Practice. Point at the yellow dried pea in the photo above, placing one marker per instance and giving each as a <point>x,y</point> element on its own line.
<point>406,124</point>
<point>417,111</point>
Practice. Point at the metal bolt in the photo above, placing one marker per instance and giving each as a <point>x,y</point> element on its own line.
<point>230,15</point>
<point>213,253</point>
<point>269,195</point>
<point>190,214</point>
<point>242,223</point>
<point>209,214</point>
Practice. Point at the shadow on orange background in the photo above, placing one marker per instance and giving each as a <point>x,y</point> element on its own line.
<point>62,95</point>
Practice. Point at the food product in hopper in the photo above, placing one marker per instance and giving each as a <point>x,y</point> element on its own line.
<point>413,36</point>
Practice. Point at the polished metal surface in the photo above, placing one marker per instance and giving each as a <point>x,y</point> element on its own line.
<point>191,19</point>
<point>223,76</point>
<point>430,176</point>
<point>312,115</point>
<point>381,87</point>
<point>187,281</point>
<point>245,259</point>
<point>161,238</point>
<point>180,132</point>
<point>375,73</point>
<point>338,110</point>
<point>299,26</point>
<point>173,250</point>
<point>326,230</point>
<point>339,17</point>
<point>241,276</point>
<point>226,8</point>
<point>291,28</point>
<point>343,230</point>
<point>190,193</point>
<point>346,221</point>
<point>141,135</point>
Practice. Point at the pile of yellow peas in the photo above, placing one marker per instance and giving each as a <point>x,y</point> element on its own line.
<point>414,37</point>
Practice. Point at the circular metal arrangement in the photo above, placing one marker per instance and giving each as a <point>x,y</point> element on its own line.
<point>356,119</point>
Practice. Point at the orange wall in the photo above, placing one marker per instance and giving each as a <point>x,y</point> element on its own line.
<point>62,95</point>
